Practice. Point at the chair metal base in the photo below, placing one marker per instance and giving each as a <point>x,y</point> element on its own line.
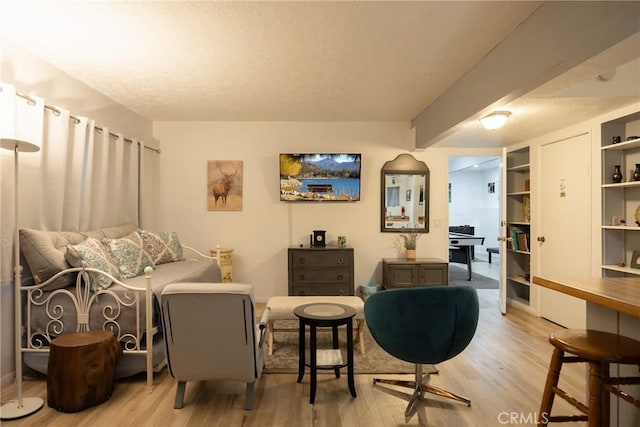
<point>420,386</point>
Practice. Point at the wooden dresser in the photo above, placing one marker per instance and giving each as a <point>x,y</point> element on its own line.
<point>404,273</point>
<point>321,271</point>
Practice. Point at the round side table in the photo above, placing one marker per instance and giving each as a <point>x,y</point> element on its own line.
<point>325,315</point>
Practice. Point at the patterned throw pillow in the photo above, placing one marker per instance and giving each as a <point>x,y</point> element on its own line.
<point>162,246</point>
<point>92,253</point>
<point>129,254</point>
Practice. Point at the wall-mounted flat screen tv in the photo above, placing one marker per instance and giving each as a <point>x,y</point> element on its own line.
<point>306,177</point>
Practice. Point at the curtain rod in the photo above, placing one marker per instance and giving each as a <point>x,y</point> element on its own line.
<point>56,112</point>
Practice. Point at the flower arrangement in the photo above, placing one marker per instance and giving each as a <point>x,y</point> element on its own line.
<point>410,239</point>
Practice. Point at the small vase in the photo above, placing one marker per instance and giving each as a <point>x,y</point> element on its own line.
<point>617,174</point>
<point>411,254</point>
<point>636,173</point>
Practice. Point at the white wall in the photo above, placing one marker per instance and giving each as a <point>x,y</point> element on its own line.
<point>472,204</point>
<point>261,233</point>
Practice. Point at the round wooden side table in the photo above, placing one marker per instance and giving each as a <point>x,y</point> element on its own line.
<point>325,315</point>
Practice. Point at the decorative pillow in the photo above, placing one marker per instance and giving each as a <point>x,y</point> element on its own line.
<point>129,254</point>
<point>92,253</point>
<point>162,246</point>
<point>44,252</point>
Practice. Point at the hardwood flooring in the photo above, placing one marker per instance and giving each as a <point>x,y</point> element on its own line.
<point>502,371</point>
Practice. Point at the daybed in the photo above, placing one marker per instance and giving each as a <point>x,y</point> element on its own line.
<point>78,285</point>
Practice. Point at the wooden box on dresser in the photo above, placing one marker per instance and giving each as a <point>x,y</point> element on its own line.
<point>321,270</point>
<point>405,273</point>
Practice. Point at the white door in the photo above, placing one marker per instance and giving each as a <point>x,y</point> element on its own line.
<point>565,225</point>
<point>503,231</point>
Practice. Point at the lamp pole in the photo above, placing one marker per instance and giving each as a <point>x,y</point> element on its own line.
<point>20,407</point>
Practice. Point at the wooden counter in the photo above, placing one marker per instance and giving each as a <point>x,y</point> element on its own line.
<point>621,294</point>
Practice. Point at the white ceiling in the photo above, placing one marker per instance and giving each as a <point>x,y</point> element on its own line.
<point>308,61</point>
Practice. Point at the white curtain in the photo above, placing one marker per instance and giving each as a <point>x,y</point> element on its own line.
<point>84,177</point>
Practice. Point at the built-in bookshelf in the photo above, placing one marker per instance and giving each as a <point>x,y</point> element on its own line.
<point>518,225</point>
<point>620,147</point>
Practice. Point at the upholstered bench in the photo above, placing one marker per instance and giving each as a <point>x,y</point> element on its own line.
<point>281,308</point>
<point>492,251</point>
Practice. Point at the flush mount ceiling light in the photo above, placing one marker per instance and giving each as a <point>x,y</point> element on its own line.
<point>495,120</point>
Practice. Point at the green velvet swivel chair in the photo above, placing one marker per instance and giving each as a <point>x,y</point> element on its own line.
<point>426,325</point>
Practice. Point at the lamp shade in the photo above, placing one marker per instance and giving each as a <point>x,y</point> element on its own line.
<point>495,120</point>
<point>22,146</point>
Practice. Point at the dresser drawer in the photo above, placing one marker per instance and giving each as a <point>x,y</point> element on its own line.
<point>320,271</point>
<point>322,289</point>
<point>320,259</point>
<point>311,275</point>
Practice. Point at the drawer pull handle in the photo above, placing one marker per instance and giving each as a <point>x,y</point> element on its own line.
<point>340,277</point>
<point>302,261</point>
<point>301,293</point>
<point>340,260</point>
<point>301,277</point>
<point>341,292</point>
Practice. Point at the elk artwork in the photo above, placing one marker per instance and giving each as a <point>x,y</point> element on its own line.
<point>221,189</point>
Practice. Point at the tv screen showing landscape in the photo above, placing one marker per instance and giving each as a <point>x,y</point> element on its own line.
<point>320,177</point>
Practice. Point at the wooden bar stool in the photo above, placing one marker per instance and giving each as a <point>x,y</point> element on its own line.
<point>598,349</point>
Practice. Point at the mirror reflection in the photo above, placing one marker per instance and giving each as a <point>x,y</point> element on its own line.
<point>405,186</point>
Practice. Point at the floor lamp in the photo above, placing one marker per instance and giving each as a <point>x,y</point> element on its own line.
<point>20,407</point>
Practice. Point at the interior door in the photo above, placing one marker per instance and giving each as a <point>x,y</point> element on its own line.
<point>565,225</point>
<point>503,231</point>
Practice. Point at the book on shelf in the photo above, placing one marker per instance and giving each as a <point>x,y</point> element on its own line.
<point>520,238</point>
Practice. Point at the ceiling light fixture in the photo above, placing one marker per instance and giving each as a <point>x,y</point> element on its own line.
<point>495,120</point>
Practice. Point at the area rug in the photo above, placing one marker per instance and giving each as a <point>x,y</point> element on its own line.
<point>284,359</point>
<point>458,276</point>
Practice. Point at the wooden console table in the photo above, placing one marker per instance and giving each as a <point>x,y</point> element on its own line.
<point>405,273</point>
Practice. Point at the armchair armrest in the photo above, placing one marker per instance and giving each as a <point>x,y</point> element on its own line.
<point>264,328</point>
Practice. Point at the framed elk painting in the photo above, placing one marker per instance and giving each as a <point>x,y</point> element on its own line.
<point>224,185</point>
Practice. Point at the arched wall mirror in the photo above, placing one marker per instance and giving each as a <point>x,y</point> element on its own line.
<point>405,195</point>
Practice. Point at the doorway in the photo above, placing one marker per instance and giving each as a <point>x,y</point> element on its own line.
<point>474,198</point>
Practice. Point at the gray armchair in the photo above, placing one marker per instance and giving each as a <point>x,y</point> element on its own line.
<point>211,333</point>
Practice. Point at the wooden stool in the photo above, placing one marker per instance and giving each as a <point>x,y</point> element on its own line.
<point>81,370</point>
<point>598,349</point>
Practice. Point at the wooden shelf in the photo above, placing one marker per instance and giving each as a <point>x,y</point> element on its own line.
<point>621,227</point>
<point>520,168</point>
<point>519,193</point>
<point>519,252</point>
<point>625,145</point>
<point>622,184</point>
<point>520,279</point>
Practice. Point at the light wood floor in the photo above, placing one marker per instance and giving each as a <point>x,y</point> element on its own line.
<point>502,371</point>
